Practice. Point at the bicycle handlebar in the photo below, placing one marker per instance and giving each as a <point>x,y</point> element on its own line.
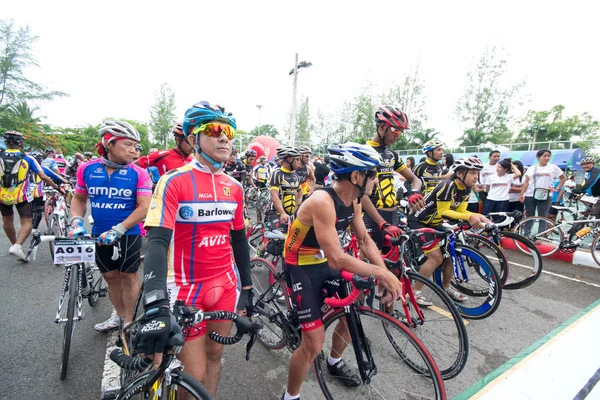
<point>358,285</point>
<point>129,363</point>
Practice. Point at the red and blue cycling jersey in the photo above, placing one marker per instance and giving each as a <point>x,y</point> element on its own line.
<point>200,208</point>
<point>114,196</point>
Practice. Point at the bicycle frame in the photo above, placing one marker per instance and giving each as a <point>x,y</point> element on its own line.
<point>566,223</point>
<point>69,269</point>
<point>460,272</point>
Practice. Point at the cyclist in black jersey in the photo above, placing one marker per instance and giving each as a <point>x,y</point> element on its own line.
<point>449,199</point>
<point>430,170</point>
<point>286,193</point>
<point>306,172</point>
<point>235,168</point>
<point>248,163</point>
<point>314,258</point>
<point>381,206</point>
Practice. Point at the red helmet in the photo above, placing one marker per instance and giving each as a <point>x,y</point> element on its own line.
<point>392,116</point>
<point>177,130</point>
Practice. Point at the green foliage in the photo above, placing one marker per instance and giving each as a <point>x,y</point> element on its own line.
<point>303,125</point>
<point>162,116</point>
<point>265,130</point>
<point>363,112</point>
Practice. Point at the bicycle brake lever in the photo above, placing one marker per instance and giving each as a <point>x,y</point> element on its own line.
<point>370,298</point>
<point>250,344</point>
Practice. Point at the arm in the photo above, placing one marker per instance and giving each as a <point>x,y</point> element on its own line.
<point>525,186</point>
<point>155,264</point>
<point>79,204</point>
<point>143,202</point>
<point>47,180</point>
<point>515,171</point>
<point>311,179</point>
<point>371,210</point>
<point>299,196</point>
<point>241,254</point>
<point>276,201</point>
<point>367,246</point>
<point>415,182</point>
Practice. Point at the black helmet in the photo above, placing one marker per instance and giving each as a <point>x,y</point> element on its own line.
<point>14,137</point>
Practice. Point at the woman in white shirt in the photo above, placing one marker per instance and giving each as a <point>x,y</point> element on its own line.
<point>536,191</point>
<point>498,186</point>
<point>514,196</point>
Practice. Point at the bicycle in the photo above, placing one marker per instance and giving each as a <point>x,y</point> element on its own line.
<point>56,214</point>
<point>371,332</point>
<point>83,280</point>
<point>164,382</point>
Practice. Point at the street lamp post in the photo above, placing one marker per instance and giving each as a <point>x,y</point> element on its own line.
<point>259,106</point>
<point>535,130</point>
<point>294,72</point>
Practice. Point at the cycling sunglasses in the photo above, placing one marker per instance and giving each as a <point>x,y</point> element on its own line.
<point>215,129</point>
<point>371,173</point>
<point>396,131</point>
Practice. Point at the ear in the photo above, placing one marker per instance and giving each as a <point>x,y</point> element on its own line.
<point>192,140</point>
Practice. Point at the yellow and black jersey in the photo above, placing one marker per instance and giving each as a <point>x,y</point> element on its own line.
<point>384,195</point>
<point>302,173</point>
<point>301,245</point>
<point>447,200</point>
<point>429,173</point>
<point>287,183</point>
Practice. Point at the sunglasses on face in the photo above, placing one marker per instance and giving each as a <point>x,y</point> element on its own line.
<point>396,131</point>
<point>370,173</point>
<point>215,129</point>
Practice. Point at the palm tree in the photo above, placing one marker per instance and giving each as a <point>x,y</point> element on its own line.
<point>24,114</point>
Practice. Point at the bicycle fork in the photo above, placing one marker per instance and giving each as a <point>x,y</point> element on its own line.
<point>360,343</point>
<point>65,288</point>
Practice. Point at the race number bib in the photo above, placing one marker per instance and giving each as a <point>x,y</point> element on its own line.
<point>589,199</point>
<point>74,251</point>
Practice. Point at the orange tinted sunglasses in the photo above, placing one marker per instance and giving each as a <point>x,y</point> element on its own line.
<point>215,129</point>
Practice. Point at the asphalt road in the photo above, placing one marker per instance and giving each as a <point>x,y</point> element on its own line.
<point>31,341</point>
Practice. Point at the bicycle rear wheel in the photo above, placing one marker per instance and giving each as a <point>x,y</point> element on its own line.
<point>521,275</point>
<point>69,323</point>
<point>95,284</point>
<point>483,285</point>
<point>442,331</point>
<point>179,380</point>
<point>393,376</point>
<point>267,307</point>
<point>547,243</point>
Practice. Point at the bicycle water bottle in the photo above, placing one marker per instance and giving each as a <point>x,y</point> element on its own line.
<point>582,232</point>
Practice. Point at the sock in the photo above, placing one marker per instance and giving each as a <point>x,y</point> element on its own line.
<point>332,361</point>
<point>288,396</point>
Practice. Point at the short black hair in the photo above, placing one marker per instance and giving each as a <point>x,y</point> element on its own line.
<point>542,152</point>
<point>494,152</point>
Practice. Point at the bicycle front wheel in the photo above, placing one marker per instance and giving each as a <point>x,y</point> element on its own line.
<point>482,285</point>
<point>521,275</point>
<point>493,253</point>
<point>392,373</point>
<point>68,329</point>
<point>595,249</point>
<point>180,382</point>
<point>545,235</point>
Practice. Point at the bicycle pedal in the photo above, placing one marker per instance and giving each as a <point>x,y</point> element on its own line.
<point>110,393</point>
<point>102,292</point>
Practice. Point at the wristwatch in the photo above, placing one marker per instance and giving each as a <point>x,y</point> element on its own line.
<point>154,297</point>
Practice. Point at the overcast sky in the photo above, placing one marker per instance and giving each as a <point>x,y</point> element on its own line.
<point>112,56</point>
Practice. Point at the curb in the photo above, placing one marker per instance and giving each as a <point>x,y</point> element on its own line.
<point>583,258</point>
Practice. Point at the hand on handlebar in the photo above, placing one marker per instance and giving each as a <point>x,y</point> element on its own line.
<point>478,221</point>
<point>109,237</point>
<point>392,284</point>
<point>416,201</point>
<point>76,228</point>
<point>284,219</point>
<point>154,332</point>
<point>391,230</point>
<point>246,302</point>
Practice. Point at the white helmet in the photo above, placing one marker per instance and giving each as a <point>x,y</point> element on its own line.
<point>353,157</point>
<point>119,129</point>
<point>467,163</point>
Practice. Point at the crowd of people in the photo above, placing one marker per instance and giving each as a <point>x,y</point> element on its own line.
<point>191,201</point>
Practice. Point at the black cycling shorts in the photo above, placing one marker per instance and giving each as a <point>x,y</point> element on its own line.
<point>424,239</point>
<point>24,209</point>
<point>129,260</point>
<point>391,217</point>
<point>311,285</point>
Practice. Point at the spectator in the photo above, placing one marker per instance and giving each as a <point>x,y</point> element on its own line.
<point>514,201</point>
<point>447,162</point>
<point>488,170</point>
<point>498,187</point>
<point>570,184</point>
<point>410,163</point>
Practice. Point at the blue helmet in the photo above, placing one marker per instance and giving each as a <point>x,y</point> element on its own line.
<point>203,112</point>
<point>352,157</point>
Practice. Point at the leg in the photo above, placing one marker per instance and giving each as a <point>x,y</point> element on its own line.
<point>340,339</point>
<point>447,273</point>
<point>131,249</point>
<point>193,356</point>
<point>8,224</point>
<point>303,357</point>
<point>530,206</point>
<point>543,207</point>
<point>115,291</point>
<point>37,208</point>
<point>434,260</point>
<point>130,287</point>
<point>24,230</point>
<point>214,352</point>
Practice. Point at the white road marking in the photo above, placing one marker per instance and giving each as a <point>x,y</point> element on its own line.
<point>557,275</point>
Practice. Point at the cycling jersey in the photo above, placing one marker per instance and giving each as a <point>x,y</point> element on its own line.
<point>384,195</point>
<point>429,173</point>
<point>261,173</point>
<point>302,173</point>
<point>248,169</point>
<point>447,200</point>
<point>591,184</point>
<point>236,170</point>
<point>113,197</point>
<point>201,209</point>
<point>301,245</point>
<point>19,190</point>
<point>50,163</point>
<point>287,183</point>
<point>61,164</point>
<point>36,185</point>
<point>165,160</point>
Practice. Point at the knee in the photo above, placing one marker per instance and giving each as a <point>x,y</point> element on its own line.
<point>214,353</point>
<point>112,277</point>
<point>128,278</point>
<point>312,346</point>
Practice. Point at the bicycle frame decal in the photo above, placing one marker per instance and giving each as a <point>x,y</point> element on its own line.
<point>61,299</point>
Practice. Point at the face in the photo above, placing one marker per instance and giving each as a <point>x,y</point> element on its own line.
<point>438,153</point>
<point>296,163</point>
<point>217,148</point>
<point>122,151</point>
<point>250,160</point>
<point>500,169</point>
<point>544,159</point>
<point>305,158</point>
<point>263,161</point>
<point>586,167</point>
<point>50,155</point>
<point>358,178</point>
<point>471,177</point>
<point>232,158</point>
<point>390,134</point>
<point>185,146</point>
<point>494,158</point>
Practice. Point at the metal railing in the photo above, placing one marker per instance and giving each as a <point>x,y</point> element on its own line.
<point>593,145</point>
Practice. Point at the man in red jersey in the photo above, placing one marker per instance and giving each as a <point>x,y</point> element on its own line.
<point>196,239</point>
<point>167,160</point>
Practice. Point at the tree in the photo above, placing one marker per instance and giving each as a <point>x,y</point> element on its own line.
<point>15,56</point>
<point>363,126</point>
<point>162,116</point>
<point>409,97</point>
<point>265,130</point>
<point>303,125</point>
<point>485,106</point>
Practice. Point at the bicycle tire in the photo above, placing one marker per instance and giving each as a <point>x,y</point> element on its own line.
<point>95,285</point>
<point>443,331</point>
<point>595,249</point>
<point>194,389</point>
<point>546,246</point>
<point>401,376</point>
<point>68,329</point>
<point>52,230</point>
<point>490,289</point>
<point>516,278</point>
<point>494,254</point>
<point>255,237</point>
<point>266,307</point>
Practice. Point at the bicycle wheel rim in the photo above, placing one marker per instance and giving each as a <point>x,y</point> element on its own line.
<point>95,286</point>
<point>442,331</point>
<point>493,253</point>
<point>522,275</point>
<point>482,288</point>
<point>68,328</point>
<point>194,389</point>
<point>547,244</point>
<point>266,307</point>
<point>393,379</point>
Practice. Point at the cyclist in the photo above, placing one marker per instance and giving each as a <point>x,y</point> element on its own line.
<point>119,192</point>
<point>88,156</point>
<point>168,160</point>
<point>381,206</point>
<point>448,199</point>
<point>49,161</point>
<point>248,163</point>
<point>591,183</point>
<point>196,228</point>
<point>15,167</point>
<point>61,163</point>
<point>76,161</point>
<point>314,258</point>
<point>235,168</point>
<point>430,170</point>
<point>306,172</point>
<point>286,193</point>
<point>261,172</point>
